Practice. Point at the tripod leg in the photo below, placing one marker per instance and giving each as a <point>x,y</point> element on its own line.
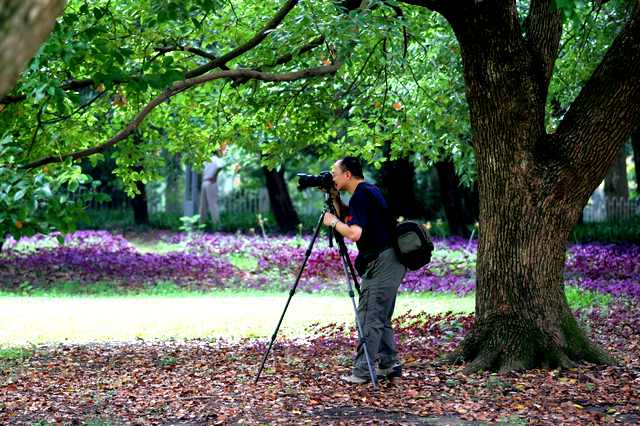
<point>291,293</point>
<point>346,262</point>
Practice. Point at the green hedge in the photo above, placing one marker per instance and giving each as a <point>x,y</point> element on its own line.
<point>121,220</point>
<point>626,231</point>
<point>614,232</point>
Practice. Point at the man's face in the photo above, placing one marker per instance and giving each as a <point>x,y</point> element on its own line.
<point>340,177</point>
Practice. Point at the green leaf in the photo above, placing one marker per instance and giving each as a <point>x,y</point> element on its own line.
<point>19,195</point>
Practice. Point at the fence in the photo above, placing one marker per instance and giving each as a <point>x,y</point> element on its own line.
<point>610,209</point>
<point>245,201</point>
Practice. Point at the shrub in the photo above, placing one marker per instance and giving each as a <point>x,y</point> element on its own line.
<point>614,232</point>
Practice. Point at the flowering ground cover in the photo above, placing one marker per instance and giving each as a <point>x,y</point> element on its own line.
<point>211,381</point>
<point>208,261</point>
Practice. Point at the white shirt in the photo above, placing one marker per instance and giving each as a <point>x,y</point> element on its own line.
<point>211,168</point>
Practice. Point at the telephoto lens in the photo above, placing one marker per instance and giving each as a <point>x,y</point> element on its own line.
<point>322,181</point>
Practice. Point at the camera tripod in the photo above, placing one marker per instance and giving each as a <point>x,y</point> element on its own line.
<point>350,275</point>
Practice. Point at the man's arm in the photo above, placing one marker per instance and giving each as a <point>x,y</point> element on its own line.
<point>218,170</point>
<point>352,232</point>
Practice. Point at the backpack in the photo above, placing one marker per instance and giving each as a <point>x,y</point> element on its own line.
<point>410,240</point>
<point>412,244</point>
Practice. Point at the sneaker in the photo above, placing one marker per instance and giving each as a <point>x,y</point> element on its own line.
<point>390,372</point>
<point>355,380</point>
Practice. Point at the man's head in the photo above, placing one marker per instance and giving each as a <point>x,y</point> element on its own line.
<point>347,173</point>
<point>222,149</point>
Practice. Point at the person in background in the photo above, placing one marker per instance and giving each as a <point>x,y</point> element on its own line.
<point>209,189</point>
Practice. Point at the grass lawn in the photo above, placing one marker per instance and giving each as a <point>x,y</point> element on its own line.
<point>221,314</point>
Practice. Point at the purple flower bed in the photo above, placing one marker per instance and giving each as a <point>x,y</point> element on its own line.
<point>607,268</point>
<point>205,261</point>
<point>89,256</point>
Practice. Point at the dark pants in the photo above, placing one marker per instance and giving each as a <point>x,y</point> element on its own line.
<point>375,308</point>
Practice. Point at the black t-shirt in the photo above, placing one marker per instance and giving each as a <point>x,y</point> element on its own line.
<point>368,209</point>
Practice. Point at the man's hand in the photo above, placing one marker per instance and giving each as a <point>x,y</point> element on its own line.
<point>333,193</point>
<point>352,232</point>
<point>329,219</point>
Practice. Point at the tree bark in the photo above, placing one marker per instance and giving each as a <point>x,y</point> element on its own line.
<point>139,205</point>
<point>460,204</point>
<point>281,205</point>
<point>396,179</point>
<point>139,200</point>
<point>616,186</point>
<point>635,144</point>
<point>173,179</point>
<point>532,185</point>
<point>24,26</point>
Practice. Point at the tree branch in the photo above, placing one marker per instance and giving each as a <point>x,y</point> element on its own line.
<point>256,40</point>
<point>81,108</point>
<point>179,87</point>
<point>544,29</point>
<point>194,50</point>
<point>286,57</point>
<point>607,109</point>
<point>304,49</point>
<point>216,62</point>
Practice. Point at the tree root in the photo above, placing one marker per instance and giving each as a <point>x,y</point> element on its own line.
<point>514,344</point>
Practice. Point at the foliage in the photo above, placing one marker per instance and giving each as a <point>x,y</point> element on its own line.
<point>190,224</point>
<point>131,51</point>
<point>19,354</point>
<point>614,232</point>
<point>390,88</point>
<point>98,256</point>
<point>589,30</point>
<point>587,299</point>
<point>31,201</point>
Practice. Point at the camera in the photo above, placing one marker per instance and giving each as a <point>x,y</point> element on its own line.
<point>322,181</point>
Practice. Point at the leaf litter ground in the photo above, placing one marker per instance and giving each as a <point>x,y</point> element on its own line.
<point>212,382</point>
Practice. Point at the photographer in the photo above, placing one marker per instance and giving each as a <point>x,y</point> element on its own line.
<point>367,221</point>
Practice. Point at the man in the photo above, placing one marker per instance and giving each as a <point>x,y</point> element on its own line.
<point>367,221</point>
<point>209,189</point>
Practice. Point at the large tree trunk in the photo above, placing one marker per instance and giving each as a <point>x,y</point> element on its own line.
<point>461,204</point>
<point>533,185</point>
<point>173,190</point>
<point>139,201</point>
<point>616,186</point>
<point>396,174</point>
<point>139,205</point>
<point>281,205</point>
<point>24,26</point>
<point>635,144</point>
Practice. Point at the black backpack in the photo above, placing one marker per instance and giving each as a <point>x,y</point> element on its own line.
<point>412,244</point>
